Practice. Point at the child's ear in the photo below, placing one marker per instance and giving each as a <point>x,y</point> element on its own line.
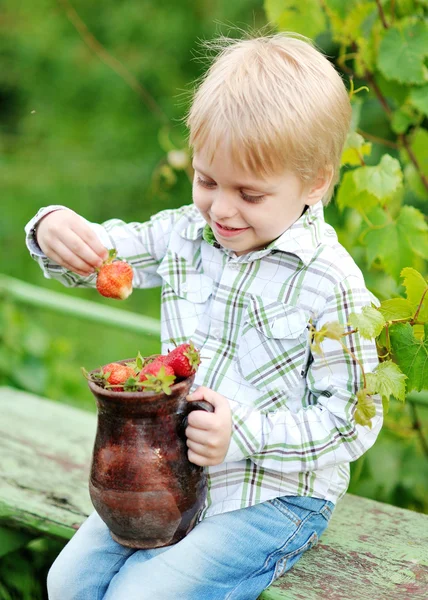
<point>318,188</point>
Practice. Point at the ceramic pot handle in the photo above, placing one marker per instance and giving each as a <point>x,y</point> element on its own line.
<point>190,407</point>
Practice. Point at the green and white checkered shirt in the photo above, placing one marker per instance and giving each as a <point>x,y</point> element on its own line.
<point>294,431</point>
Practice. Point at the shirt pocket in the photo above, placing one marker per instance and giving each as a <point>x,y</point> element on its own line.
<point>186,293</point>
<point>274,345</point>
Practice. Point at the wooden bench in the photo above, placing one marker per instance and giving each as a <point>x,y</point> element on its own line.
<point>371,550</point>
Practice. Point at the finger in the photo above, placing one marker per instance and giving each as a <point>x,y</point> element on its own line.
<point>81,249</point>
<point>93,241</point>
<point>200,449</point>
<point>197,435</point>
<point>63,256</point>
<point>201,419</point>
<point>196,459</point>
<point>57,259</point>
<point>214,398</point>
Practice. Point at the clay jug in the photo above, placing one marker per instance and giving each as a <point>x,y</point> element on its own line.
<point>142,484</point>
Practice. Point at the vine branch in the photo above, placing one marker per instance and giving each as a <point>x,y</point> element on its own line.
<point>112,62</point>
<point>418,310</point>
<point>403,138</point>
<point>382,14</point>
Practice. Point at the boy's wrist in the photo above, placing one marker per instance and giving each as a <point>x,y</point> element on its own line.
<point>32,225</point>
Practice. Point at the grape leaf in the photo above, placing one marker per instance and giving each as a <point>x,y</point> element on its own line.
<point>402,53</point>
<point>339,7</point>
<point>402,119</point>
<point>389,380</point>
<point>396,308</point>
<point>414,181</point>
<point>416,287</point>
<point>419,147</point>
<point>365,410</point>
<point>348,195</point>
<point>381,181</point>
<point>333,330</point>
<point>411,355</point>
<point>292,15</point>
<point>397,243</point>
<point>369,322</point>
<point>355,148</point>
<point>413,221</point>
<point>419,98</point>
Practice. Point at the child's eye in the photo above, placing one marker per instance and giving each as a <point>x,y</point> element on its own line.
<point>204,183</point>
<point>249,198</point>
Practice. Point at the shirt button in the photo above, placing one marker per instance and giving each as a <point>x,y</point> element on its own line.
<point>216,333</point>
<point>184,287</point>
<point>233,265</point>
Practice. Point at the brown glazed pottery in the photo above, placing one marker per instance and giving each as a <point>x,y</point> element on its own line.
<point>142,484</point>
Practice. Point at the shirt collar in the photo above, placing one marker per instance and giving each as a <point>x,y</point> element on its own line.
<point>302,238</point>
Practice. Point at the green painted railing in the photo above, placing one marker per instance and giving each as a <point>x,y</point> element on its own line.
<point>33,295</point>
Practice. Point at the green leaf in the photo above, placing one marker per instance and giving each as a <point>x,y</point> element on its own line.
<point>349,196</point>
<point>369,322</point>
<point>419,147</point>
<point>292,15</point>
<point>414,182</point>
<point>355,148</point>
<point>411,355</point>
<point>365,410</point>
<point>397,243</point>
<point>381,181</point>
<point>416,286</point>
<point>419,98</point>
<point>389,380</point>
<point>396,308</point>
<point>352,20</point>
<point>402,119</point>
<point>412,222</point>
<point>402,53</point>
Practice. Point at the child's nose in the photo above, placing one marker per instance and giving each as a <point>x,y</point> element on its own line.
<point>222,206</point>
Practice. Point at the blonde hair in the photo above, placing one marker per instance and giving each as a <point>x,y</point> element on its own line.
<point>278,102</point>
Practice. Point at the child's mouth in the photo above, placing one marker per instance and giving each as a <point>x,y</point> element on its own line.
<point>228,231</point>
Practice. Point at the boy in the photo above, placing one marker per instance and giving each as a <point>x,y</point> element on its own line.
<point>243,271</point>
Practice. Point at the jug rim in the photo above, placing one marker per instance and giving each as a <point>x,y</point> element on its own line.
<point>110,394</point>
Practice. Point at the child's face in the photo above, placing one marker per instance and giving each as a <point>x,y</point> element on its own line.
<point>258,210</point>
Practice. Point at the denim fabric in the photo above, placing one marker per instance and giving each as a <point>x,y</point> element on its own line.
<point>231,556</point>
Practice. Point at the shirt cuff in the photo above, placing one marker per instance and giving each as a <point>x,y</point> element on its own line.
<point>240,446</point>
<point>30,228</point>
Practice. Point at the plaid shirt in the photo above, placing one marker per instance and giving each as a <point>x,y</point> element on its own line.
<point>294,431</point>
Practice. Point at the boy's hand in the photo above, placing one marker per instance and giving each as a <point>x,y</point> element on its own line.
<point>66,239</point>
<point>208,434</point>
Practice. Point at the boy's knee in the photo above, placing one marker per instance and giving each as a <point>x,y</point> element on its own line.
<point>54,582</point>
<point>60,581</point>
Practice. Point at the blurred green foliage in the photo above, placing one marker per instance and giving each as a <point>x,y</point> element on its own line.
<point>73,132</point>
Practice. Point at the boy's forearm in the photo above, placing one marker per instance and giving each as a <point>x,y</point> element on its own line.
<point>317,437</point>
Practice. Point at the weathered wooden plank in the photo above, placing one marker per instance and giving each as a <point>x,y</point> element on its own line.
<point>371,551</point>
<point>45,450</point>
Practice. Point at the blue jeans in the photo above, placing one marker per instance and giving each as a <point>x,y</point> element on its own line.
<point>233,556</point>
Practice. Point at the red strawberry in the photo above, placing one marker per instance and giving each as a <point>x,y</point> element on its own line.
<point>184,359</point>
<point>116,373</point>
<point>114,278</point>
<point>157,377</point>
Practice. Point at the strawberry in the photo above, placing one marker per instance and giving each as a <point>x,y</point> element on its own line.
<point>157,377</point>
<point>114,279</point>
<point>184,359</point>
<point>115,373</point>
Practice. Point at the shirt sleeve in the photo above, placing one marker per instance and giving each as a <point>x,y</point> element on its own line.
<point>324,433</point>
<point>143,245</point>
